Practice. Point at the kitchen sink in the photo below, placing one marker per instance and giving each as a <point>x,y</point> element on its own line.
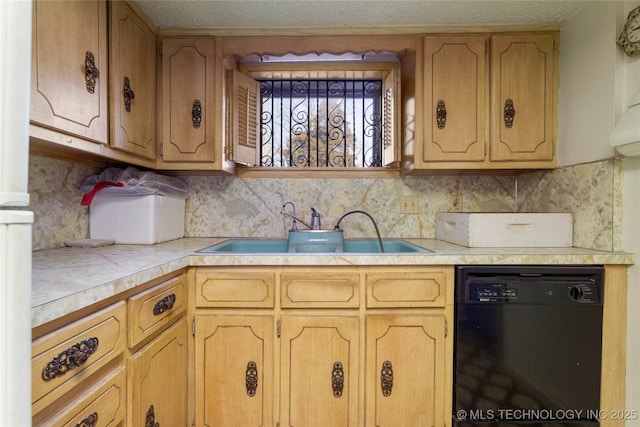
<point>280,246</point>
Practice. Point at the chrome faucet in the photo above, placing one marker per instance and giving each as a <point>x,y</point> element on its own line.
<point>294,226</point>
<point>315,218</point>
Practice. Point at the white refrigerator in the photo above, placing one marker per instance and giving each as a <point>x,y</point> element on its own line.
<point>15,218</point>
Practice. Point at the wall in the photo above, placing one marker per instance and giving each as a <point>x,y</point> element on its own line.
<point>596,82</point>
<point>242,207</point>
<point>54,188</point>
<point>586,96</point>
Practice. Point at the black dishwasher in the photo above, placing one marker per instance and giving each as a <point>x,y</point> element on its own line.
<point>527,345</point>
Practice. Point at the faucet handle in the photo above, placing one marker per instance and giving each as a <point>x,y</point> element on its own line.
<point>315,219</point>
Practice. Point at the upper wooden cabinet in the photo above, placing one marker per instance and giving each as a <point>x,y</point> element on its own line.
<point>482,102</point>
<point>191,105</point>
<point>454,99</point>
<point>523,101</point>
<point>187,100</point>
<point>69,70</point>
<point>133,82</point>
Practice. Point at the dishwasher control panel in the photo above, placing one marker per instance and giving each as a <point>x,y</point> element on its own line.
<point>527,292</point>
<point>484,292</point>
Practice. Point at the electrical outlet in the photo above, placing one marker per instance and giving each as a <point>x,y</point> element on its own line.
<point>409,204</point>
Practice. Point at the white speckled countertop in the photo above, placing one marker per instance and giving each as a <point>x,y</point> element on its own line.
<point>68,279</point>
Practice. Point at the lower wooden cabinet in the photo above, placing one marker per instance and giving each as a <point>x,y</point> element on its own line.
<point>319,371</point>
<point>157,380</point>
<point>234,370</point>
<point>283,356</point>
<point>102,404</point>
<point>84,373</point>
<point>405,370</point>
<point>63,360</point>
<point>374,357</point>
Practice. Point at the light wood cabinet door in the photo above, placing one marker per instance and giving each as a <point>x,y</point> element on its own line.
<point>157,380</point>
<point>319,371</point>
<point>454,98</point>
<point>188,100</point>
<point>405,370</point>
<point>234,370</point>
<point>522,98</point>
<point>133,82</point>
<point>69,70</point>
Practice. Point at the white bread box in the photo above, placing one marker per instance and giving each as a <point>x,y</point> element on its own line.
<point>509,230</point>
<point>146,219</point>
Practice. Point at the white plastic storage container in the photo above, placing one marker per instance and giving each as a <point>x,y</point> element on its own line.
<point>509,230</point>
<point>136,219</point>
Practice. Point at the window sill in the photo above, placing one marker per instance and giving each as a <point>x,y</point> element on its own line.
<point>327,173</point>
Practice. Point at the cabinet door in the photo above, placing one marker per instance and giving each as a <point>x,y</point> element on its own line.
<point>319,377</point>
<point>187,100</point>
<point>454,98</point>
<point>157,380</point>
<point>69,68</point>
<point>133,83</point>
<point>522,97</point>
<point>405,371</point>
<point>234,370</point>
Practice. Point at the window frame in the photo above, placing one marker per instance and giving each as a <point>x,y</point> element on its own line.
<point>386,71</point>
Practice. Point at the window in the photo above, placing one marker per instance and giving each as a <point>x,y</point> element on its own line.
<point>321,123</point>
<point>294,116</point>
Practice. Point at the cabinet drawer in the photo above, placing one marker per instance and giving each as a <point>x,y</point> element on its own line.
<point>406,289</point>
<point>154,309</point>
<point>244,287</point>
<point>64,358</point>
<point>320,290</point>
<point>104,404</point>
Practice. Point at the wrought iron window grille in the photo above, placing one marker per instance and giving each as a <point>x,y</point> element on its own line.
<point>321,123</point>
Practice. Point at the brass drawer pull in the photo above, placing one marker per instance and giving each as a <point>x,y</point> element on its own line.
<point>337,379</point>
<point>164,304</point>
<point>196,114</point>
<point>509,113</point>
<point>151,418</point>
<point>89,421</point>
<point>441,114</point>
<point>128,94</point>
<point>71,358</point>
<point>386,378</point>
<point>91,72</point>
<point>251,378</point>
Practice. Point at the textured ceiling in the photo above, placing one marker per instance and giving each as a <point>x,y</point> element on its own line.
<point>256,14</point>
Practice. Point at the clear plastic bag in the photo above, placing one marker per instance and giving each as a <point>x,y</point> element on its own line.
<point>132,182</point>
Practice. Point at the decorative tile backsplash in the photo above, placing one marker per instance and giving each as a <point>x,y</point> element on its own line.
<point>250,207</point>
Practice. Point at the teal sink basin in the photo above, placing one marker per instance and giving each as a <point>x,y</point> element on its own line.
<point>249,246</point>
<point>280,246</point>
